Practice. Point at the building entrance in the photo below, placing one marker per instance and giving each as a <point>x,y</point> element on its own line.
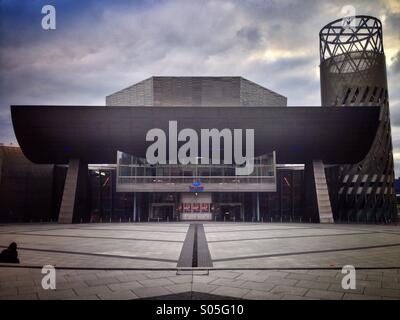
<point>162,211</point>
<point>231,211</point>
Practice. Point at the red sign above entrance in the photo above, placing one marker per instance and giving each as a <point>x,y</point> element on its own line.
<point>194,207</point>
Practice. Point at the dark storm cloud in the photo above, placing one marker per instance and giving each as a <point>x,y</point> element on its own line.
<point>102,46</point>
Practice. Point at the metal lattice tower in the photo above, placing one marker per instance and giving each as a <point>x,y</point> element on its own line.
<point>353,73</point>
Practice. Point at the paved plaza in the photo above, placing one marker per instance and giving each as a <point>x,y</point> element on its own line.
<point>206,260</point>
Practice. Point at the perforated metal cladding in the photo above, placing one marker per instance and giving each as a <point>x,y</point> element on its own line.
<point>366,87</point>
<point>196,91</point>
<point>353,73</point>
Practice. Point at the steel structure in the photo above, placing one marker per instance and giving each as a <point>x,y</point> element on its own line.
<point>353,73</point>
<point>94,134</point>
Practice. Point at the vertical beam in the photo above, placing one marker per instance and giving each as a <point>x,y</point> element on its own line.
<point>242,208</point>
<point>73,199</point>
<point>134,206</point>
<point>140,204</point>
<point>253,207</point>
<point>258,206</point>
<point>100,196</point>
<point>112,191</point>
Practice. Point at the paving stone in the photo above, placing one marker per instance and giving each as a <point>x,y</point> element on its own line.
<point>228,282</point>
<point>178,288</point>
<point>120,295</point>
<point>69,285</point>
<point>253,277</point>
<point>383,292</point>
<point>289,290</point>
<point>369,284</point>
<point>312,284</point>
<point>338,288</point>
<point>92,290</point>
<point>160,274</point>
<point>360,275</point>
<point>375,283</point>
<point>150,292</point>
<point>261,295</point>
<point>8,291</point>
<point>203,279</point>
<point>271,274</point>
<point>260,286</point>
<point>125,286</point>
<point>109,273</point>
<point>29,277</point>
<point>390,279</point>
<point>390,285</point>
<point>282,281</point>
<point>80,277</point>
<point>56,294</point>
<point>324,294</point>
<point>332,280</point>
<point>97,282</point>
<point>392,272</point>
<point>225,274</point>
<point>230,291</point>
<point>181,279</point>
<point>7,275</point>
<point>301,276</point>
<point>297,271</point>
<point>355,296</point>
<point>324,273</point>
<point>31,296</point>
<point>294,297</point>
<point>374,277</point>
<point>203,287</point>
<point>16,284</point>
<point>155,282</point>
<point>29,290</point>
<point>92,297</point>
<point>131,277</point>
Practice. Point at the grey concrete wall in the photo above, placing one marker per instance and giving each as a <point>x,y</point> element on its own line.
<point>252,94</point>
<point>139,94</point>
<point>196,91</point>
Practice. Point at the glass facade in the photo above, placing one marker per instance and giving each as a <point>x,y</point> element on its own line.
<point>133,170</point>
<point>195,191</point>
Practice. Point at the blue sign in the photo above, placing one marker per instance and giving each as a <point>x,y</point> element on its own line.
<point>196,187</point>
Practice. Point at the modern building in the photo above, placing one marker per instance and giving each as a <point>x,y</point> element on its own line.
<point>310,164</point>
<point>196,191</point>
<point>33,193</point>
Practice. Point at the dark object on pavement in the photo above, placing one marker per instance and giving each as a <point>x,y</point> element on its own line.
<point>10,255</point>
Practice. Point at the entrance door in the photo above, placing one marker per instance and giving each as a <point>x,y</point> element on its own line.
<point>162,211</point>
<point>231,212</point>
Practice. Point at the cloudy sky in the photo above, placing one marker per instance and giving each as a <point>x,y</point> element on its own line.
<point>100,46</point>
